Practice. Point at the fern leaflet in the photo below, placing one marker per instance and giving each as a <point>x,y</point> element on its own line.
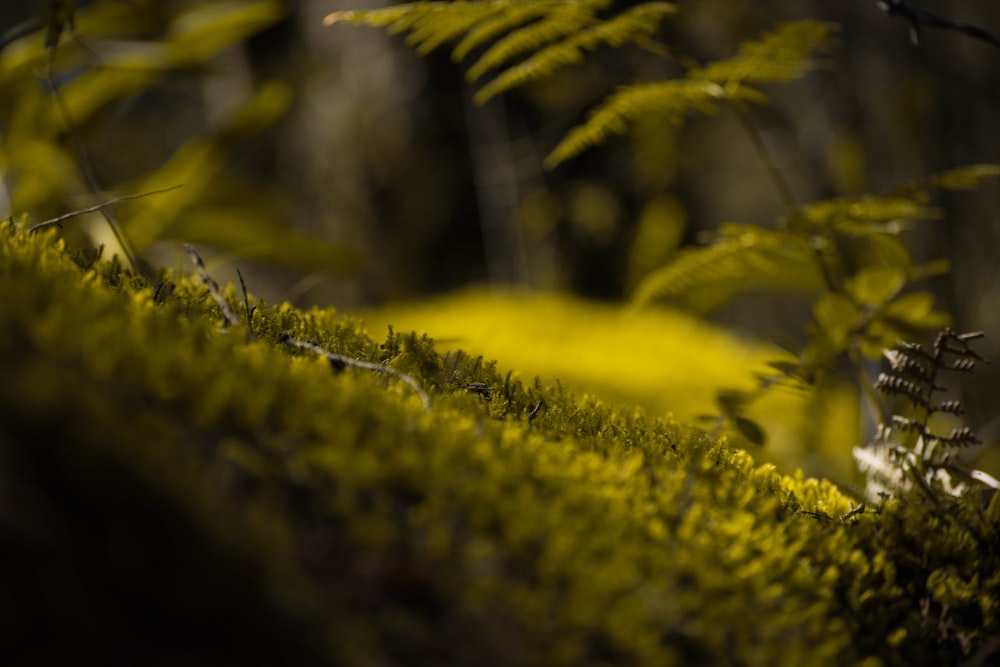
<point>863,216</point>
<point>565,20</point>
<point>786,54</point>
<point>428,24</point>
<point>634,25</point>
<point>921,457</point>
<point>495,26</point>
<point>965,178</point>
<point>672,100</point>
<point>743,258</point>
<point>547,34</point>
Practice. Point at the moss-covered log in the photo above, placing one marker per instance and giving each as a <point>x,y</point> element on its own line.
<point>173,491</point>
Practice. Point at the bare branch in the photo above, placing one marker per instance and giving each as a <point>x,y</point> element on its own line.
<point>97,207</point>
<point>340,361</point>
<point>918,17</point>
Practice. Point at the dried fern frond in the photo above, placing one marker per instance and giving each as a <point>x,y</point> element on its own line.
<point>914,373</point>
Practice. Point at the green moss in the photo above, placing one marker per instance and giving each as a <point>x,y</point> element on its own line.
<point>194,494</point>
<point>666,362</point>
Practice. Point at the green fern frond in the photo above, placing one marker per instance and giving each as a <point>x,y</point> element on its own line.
<point>548,34</point>
<point>450,23</point>
<point>965,178</point>
<point>786,54</point>
<point>428,25</point>
<point>505,21</point>
<point>742,259</point>
<point>864,216</point>
<point>633,25</point>
<point>673,100</point>
<point>568,19</point>
<point>394,19</point>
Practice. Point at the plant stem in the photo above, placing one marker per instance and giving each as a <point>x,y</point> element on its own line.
<point>766,157</point>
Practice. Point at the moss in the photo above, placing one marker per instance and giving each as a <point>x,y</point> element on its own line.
<point>667,362</point>
<point>193,494</point>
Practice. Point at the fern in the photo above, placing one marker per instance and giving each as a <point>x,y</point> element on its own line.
<point>864,216</point>
<point>546,36</point>
<point>544,31</point>
<point>847,251</point>
<point>550,36</point>
<point>787,53</point>
<point>965,178</point>
<point>428,24</point>
<point>563,21</point>
<point>783,55</point>
<point>740,258</point>
<point>634,25</point>
<point>498,24</point>
<point>671,100</point>
<point>921,457</point>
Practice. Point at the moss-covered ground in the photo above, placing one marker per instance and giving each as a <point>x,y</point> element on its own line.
<point>666,362</point>
<point>178,492</point>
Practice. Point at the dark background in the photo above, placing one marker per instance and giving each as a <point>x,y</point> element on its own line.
<point>384,151</point>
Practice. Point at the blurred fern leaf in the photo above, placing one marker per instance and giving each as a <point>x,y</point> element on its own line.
<point>532,39</point>
<point>635,25</point>
<point>787,53</point>
<point>864,216</point>
<point>965,178</point>
<point>563,21</point>
<point>672,100</point>
<point>741,259</point>
<point>502,22</point>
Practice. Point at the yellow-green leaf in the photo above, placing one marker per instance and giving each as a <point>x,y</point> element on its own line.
<point>965,178</point>
<point>876,286</point>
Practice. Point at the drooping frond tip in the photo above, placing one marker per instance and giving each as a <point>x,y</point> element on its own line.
<point>789,52</point>
<point>336,17</point>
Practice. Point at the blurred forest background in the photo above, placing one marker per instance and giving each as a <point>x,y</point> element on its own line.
<point>335,166</point>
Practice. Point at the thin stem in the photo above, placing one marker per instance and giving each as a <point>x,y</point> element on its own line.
<point>97,207</point>
<point>86,166</point>
<point>868,392</point>
<point>339,360</point>
<point>766,157</point>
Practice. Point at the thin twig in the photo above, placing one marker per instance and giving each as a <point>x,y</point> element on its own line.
<point>228,314</point>
<point>336,360</point>
<point>766,157</point>
<point>246,304</point>
<point>918,17</point>
<point>340,361</point>
<point>86,165</point>
<point>97,207</point>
